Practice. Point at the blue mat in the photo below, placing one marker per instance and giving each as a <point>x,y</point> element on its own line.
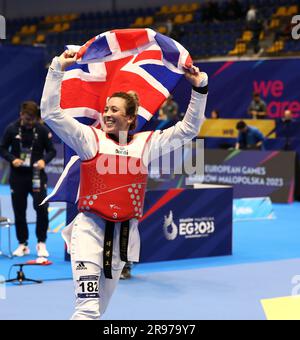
<point>261,267</point>
<point>253,242</point>
<point>59,270</point>
<point>230,293</point>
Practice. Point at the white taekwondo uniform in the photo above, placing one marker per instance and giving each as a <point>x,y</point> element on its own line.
<point>85,234</point>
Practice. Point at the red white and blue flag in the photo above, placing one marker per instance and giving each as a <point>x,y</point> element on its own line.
<point>139,60</point>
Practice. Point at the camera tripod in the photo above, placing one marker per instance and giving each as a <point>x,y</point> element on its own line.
<point>21,275</point>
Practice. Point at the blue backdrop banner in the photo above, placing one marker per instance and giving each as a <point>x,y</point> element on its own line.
<point>233,82</point>
<point>22,74</point>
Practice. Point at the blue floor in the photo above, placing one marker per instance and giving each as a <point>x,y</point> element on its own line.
<point>262,266</point>
<point>60,269</point>
<point>253,242</point>
<point>219,293</point>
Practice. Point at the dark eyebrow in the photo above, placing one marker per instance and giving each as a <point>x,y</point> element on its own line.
<point>113,107</point>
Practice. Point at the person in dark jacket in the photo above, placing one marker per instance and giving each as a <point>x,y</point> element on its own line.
<point>27,145</point>
<point>249,138</point>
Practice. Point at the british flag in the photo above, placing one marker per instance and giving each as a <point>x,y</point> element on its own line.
<point>139,60</point>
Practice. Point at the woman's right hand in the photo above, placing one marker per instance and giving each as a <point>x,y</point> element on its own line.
<point>66,59</point>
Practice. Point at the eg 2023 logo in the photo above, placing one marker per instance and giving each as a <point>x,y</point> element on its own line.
<point>188,227</point>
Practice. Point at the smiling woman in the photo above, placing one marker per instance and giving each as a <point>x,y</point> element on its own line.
<point>104,235</point>
<point>120,115</point>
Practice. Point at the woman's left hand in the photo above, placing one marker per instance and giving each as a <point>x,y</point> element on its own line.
<point>194,76</point>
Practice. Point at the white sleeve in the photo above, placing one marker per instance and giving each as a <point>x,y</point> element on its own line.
<point>165,141</point>
<point>78,136</point>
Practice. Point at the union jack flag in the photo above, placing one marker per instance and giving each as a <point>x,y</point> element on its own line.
<point>139,60</point>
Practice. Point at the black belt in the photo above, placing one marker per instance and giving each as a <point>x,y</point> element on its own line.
<point>108,245</point>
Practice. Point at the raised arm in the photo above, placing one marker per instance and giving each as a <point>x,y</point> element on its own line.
<point>164,141</point>
<point>76,135</point>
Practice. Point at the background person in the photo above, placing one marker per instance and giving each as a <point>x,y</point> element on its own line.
<point>257,108</point>
<point>27,146</point>
<point>169,110</point>
<point>250,138</point>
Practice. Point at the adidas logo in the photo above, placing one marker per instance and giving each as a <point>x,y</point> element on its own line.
<point>81,266</point>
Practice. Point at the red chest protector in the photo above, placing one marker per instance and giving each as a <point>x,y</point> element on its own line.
<point>113,183</point>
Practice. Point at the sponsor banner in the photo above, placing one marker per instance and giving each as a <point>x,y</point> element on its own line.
<point>186,223</point>
<point>253,173</point>
<point>248,209</point>
<point>226,128</point>
<point>232,84</point>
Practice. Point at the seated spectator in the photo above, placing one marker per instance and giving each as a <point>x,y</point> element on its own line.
<point>255,25</point>
<point>169,27</point>
<point>257,108</point>
<point>287,116</point>
<point>249,138</point>
<point>287,129</point>
<point>214,114</point>
<point>169,110</point>
<point>251,15</point>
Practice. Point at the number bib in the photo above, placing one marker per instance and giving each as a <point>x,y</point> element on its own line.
<point>88,287</point>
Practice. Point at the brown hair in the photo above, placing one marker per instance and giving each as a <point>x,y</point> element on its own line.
<point>132,105</point>
<point>30,107</point>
